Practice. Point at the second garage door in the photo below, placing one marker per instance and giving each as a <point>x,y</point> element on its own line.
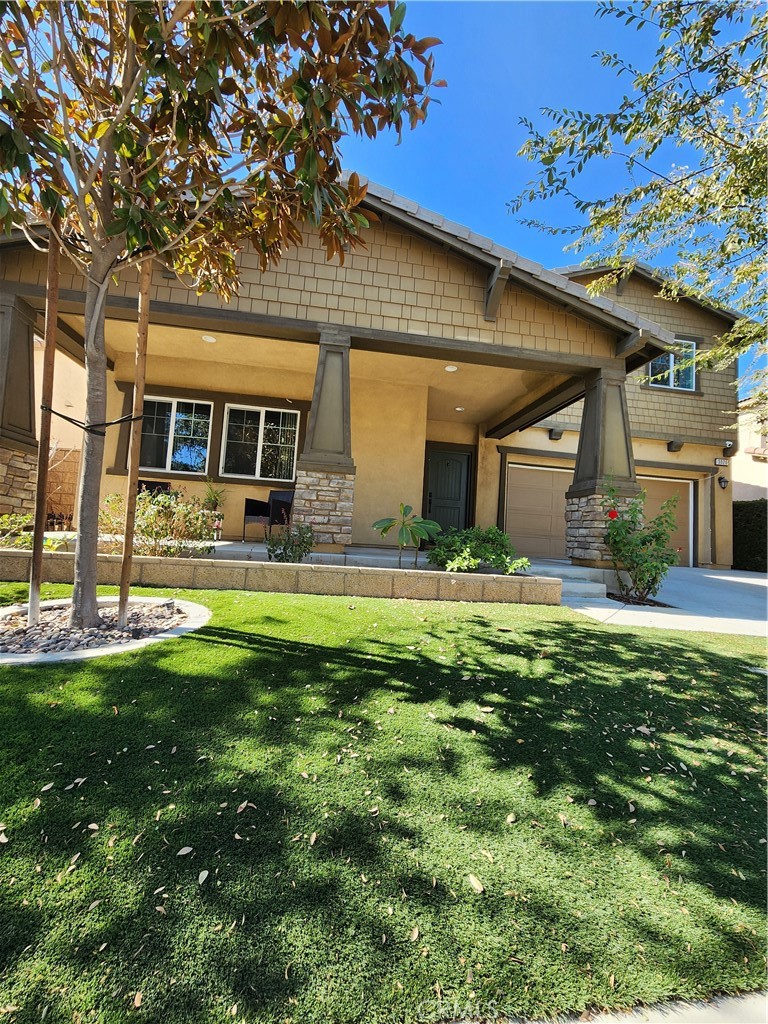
<point>535,510</point>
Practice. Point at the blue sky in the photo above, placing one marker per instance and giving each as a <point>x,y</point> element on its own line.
<point>502,61</point>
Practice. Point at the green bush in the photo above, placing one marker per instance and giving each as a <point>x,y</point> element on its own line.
<point>15,530</point>
<point>638,546</point>
<point>167,523</point>
<point>291,545</point>
<point>469,550</point>
<point>750,535</point>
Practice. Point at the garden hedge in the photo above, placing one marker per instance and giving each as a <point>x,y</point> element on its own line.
<point>750,535</point>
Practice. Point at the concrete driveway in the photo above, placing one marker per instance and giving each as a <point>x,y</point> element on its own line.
<point>702,600</point>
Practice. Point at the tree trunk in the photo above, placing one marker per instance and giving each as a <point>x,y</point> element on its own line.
<point>142,330</point>
<point>44,441</point>
<point>85,610</point>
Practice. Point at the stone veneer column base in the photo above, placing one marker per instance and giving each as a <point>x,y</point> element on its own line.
<point>586,524</point>
<point>323,499</point>
<point>18,472</point>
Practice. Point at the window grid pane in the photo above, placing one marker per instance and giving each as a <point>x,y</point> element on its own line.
<point>241,448</point>
<point>279,445</point>
<point>190,437</point>
<point>155,434</point>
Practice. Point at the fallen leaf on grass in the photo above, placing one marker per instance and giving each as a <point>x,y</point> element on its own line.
<point>202,877</point>
<point>511,818</point>
<point>313,839</point>
<point>137,1000</point>
<point>414,934</point>
<point>476,884</point>
<point>184,851</point>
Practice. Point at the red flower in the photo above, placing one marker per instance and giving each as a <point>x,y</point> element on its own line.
<point>613,514</point>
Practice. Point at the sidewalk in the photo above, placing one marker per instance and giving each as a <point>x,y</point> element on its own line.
<point>747,1009</point>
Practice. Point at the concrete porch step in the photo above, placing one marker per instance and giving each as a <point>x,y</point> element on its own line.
<point>566,571</point>
<point>583,588</point>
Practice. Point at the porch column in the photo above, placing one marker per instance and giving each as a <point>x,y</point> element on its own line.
<point>325,472</point>
<point>18,442</point>
<point>604,459</point>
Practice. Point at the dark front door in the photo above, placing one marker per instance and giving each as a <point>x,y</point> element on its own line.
<point>448,476</point>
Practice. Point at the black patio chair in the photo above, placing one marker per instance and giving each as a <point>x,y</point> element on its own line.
<point>275,511</point>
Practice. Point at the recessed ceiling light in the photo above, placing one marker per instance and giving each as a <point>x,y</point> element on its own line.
<point>209,338</point>
<point>459,408</point>
<point>451,368</point>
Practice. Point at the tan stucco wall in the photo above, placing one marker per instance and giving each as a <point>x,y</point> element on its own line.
<point>68,397</point>
<point>750,472</point>
<point>389,424</point>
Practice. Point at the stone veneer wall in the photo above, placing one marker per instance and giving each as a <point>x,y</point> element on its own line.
<point>18,472</point>
<point>292,578</point>
<point>585,528</point>
<point>324,499</point>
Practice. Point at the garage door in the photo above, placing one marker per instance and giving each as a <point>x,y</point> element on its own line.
<point>657,492</point>
<point>535,513</point>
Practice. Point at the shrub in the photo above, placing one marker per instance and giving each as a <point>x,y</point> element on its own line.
<point>638,547</point>
<point>291,545</point>
<point>411,529</point>
<point>750,530</point>
<point>15,530</point>
<point>167,523</point>
<point>468,550</point>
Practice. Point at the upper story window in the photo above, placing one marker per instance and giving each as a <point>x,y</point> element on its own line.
<point>259,443</point>
<point>175,435</point>
<point>675,369</point>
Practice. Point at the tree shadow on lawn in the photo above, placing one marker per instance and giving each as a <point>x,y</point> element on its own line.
<point>331,828</point>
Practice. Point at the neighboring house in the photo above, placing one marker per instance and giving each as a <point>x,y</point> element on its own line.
<point>434,367</point>
<point>750,463</point>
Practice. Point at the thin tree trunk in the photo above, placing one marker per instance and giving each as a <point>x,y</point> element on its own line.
<point>142,330</point>
<point>44,441</point>
<point>85,611</point>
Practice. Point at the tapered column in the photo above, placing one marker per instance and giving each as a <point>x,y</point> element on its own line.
<point>325,473</point>
<point>604,460</point>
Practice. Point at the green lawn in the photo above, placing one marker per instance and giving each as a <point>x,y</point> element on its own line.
<point>340,768</point>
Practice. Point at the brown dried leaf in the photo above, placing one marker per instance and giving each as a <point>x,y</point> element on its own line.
<point>476,884</point>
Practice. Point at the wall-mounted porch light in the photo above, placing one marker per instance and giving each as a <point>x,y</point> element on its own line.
<point>723,481</point>
<point>675,445</point>
<point>555,433</point>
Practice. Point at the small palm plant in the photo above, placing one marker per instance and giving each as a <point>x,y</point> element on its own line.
<point>411,529</point>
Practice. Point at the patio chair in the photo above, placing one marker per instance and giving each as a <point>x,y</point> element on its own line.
<point>276,510</point>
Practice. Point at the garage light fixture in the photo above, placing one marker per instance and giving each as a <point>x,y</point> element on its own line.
<point>555,433</point>
<point>209,339</point>
<point>675,445</point>
<point>451,368</point>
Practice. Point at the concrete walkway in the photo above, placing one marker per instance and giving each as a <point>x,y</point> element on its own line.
<point>749,1009</point>
<point>703,600</point>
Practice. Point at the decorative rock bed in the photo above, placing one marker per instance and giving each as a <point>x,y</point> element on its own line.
<point>150,619</point>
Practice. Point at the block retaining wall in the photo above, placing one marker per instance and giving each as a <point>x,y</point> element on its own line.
<point>272,577</point>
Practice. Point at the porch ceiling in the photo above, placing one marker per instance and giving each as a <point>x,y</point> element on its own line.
<point>245,364</point>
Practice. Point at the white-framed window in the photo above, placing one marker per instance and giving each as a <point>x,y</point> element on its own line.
<point>176,435</point>
<point>675,369</point>
<point>259,443</point>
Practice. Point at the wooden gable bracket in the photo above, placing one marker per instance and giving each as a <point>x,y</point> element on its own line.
<point>494,289</point>
<point>631,343</point>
